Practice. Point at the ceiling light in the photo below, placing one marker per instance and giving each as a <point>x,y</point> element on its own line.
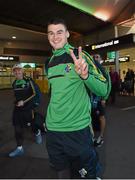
<point>103,15</point>
<point>79,5</point>
<point>13,37</point>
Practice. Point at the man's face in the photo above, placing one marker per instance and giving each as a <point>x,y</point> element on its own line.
<point>57,35</point>
<point>18,73</point>
<point>98,58</point>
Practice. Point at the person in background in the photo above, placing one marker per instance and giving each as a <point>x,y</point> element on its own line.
<point>23,113</point>
<point>115,84</point>
<point>98,112</point>
<point>68,139</point>
<point>98,119</point>
<point>129,82</point>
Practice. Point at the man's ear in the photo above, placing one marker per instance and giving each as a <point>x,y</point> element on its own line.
<point>68,34</point>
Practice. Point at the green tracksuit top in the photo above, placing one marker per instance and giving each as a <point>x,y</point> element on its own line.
<point>69,107</point>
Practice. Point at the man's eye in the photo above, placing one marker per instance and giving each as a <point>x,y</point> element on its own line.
<point>50,34</point>
<point>60,32</point>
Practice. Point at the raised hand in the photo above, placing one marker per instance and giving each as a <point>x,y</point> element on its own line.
<point>81,66</point>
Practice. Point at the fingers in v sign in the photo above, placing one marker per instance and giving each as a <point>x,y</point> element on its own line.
<point>81,66</point>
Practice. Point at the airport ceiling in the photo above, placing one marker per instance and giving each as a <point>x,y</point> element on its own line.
<point>27,19</point>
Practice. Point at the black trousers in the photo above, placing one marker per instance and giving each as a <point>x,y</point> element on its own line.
<point>72,152</point>
<point>20,120</point>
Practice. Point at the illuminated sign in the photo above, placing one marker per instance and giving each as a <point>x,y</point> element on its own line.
<point>113,43</point>
<point>124,59</point>
<point>9,58</point>
<point>28,65</point>
<point>105,44</point>
<point>121,59</point>
<point>111,55</point>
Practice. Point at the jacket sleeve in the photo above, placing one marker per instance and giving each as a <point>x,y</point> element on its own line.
<point>96,82</point>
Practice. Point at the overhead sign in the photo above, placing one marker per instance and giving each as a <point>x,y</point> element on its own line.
<point>121,59</point>
<point>111,44</point>
<point>105,44</point>
<point>9,58</point>
<point>111,55</point>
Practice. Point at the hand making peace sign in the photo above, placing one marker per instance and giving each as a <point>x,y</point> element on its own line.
<point>81,66</point>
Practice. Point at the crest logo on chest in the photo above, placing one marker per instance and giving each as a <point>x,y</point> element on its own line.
<point>68,68</point>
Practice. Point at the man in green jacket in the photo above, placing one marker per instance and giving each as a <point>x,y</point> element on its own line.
<point>70,72</point>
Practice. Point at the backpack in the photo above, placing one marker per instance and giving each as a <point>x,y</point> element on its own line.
<point>37,93</point>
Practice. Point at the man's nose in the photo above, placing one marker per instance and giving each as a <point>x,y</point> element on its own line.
<point>56,36</point>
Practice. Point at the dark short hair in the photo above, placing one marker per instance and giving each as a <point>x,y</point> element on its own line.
<point>56,21</point>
